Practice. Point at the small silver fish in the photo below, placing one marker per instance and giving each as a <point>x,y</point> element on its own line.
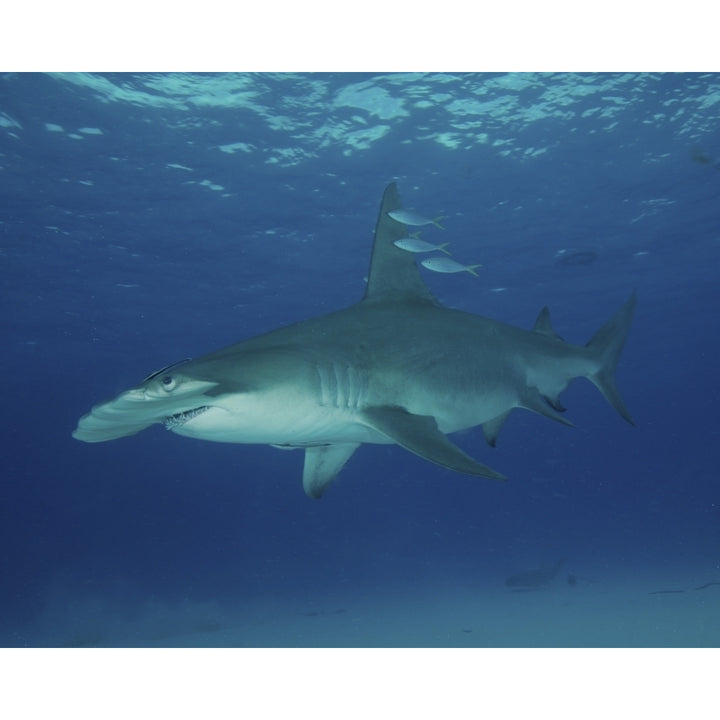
<point>410,217</point>
<point>414,244</point>
<point>448,265</point>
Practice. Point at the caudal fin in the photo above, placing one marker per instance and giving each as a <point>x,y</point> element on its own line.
<point>606,345</point>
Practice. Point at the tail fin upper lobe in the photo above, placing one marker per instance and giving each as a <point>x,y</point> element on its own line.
<point>606,346</point>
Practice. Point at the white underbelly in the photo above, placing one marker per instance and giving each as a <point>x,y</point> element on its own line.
<point>320,427</point>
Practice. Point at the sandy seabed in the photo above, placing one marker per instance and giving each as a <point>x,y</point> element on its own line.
<point>671,607</point>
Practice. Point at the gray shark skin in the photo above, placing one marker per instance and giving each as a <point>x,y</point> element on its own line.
<point>397,367</point>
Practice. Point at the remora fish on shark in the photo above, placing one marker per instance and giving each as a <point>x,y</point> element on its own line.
<point>410,217</point>
<point>397,367</point>
<point>414,244</point>
<point>448,265</point>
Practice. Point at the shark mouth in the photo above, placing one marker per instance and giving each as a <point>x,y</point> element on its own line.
<point>173,421</point>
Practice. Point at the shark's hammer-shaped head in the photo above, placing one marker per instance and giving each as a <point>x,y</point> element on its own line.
<point>168,396</point>
<point>237,395</point>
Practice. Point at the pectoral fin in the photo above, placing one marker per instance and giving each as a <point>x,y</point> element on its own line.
<point>419,434</point>
<point>322,464</point>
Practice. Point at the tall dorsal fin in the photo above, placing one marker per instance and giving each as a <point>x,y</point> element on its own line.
<point>393,272</point>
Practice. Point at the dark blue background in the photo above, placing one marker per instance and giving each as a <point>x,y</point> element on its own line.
<point>162,516</point>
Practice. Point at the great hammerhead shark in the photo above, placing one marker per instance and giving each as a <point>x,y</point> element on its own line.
<point>397,367</point>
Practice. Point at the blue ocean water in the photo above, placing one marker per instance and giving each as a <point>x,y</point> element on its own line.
<point>150,218</point>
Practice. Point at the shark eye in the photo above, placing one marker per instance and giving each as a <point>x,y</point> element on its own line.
<point>168,383</point>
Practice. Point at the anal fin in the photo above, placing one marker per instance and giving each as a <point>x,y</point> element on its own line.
<point>491,428</point>
<point>420,435</point>
<point>533,400</point>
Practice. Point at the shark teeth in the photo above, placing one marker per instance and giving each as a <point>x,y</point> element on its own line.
<point>173,421</point>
